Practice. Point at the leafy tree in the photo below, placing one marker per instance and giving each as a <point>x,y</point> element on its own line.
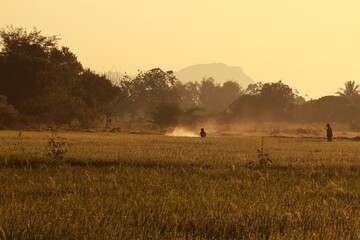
<point>8,114</point>
<point>188,94</point>
<point>31,65</point>
<point>230,91</point>
<point>17,41</point>
<point>269,101</point>
<point>167,114</point>
<point>148,89</point>
<point>55,107</point>
<point>23,76</point>
<point>193,117</point>
<point>298,100</point>
<point>99,94</point>
<point>329,109</point>
<point>254,88</point>
<point>65,68</point>
<point>171,114</point>
<point>214,97</point>
<point>209,94</point>
<point>277,95</point>
<point>48,83</point>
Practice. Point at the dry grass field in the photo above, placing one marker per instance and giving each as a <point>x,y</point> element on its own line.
<point>133,186</point>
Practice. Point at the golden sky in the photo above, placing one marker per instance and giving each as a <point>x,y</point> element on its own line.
<point>313,45</point>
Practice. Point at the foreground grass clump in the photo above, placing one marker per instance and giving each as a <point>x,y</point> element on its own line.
<point>112,186</point>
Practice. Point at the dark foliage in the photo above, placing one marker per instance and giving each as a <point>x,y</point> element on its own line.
<point>149,89</point>
<point>215,97</point>
<point>8,114</point>
<point>167,114</point>
<point>329,109</point>
<point>278,102</point>
<point>42,83</point>
<point>47,83</point>
<point>264,102</point>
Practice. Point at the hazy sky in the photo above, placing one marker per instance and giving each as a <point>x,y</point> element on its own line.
<point>314,45</point>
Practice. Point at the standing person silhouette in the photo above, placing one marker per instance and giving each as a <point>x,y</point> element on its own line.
<point>329,133</point>
<point>202,133</point>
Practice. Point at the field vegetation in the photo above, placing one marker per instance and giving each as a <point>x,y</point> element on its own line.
<point>135,186</point>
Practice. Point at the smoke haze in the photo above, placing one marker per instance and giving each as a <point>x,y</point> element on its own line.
<point>181,132</point>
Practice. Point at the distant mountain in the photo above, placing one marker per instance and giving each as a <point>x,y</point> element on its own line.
<point>219,71</point>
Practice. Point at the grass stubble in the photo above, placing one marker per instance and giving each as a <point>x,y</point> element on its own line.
<point>121,186</point>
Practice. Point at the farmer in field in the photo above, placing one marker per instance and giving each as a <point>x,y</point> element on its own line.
<point>329,133</point>
<point>202,133</point>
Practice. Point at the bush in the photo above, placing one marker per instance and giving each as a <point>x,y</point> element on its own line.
<point>167,114</point>
<point>8,114</point>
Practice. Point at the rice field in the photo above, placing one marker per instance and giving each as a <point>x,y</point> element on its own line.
<point>135,186</point>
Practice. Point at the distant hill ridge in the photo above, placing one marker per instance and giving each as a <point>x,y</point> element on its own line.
<point>195,73</point>
<point>219,71</point>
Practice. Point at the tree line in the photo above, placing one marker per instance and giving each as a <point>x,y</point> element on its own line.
<point>278,102</point>
<point>43,83</point>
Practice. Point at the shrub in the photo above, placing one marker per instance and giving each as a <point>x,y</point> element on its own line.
<point>8,114</point>
<point>57,146</point>
<point>167,114</point>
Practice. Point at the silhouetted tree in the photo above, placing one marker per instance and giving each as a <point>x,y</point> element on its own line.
<point>188,94</point>
<point>24,64</point>
<point>254,88</point>
<point>351,89</point>
<point>8,114</point>
<point>48,83</point>
<point>100,95</point>
<point>277,96</point>
<point>167,114</point>
<point>17,41</point>
<point>31,65</point>
<point>216,98</point>
<point>209,94</point>
<point>230,91</point>
<point>265,102</point>
<point>148,89</point>
<point>298,100</point>
<point>329,109</point>
<point>193,117</point>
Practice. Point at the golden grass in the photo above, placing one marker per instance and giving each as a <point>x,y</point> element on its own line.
<point>121,186</point>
